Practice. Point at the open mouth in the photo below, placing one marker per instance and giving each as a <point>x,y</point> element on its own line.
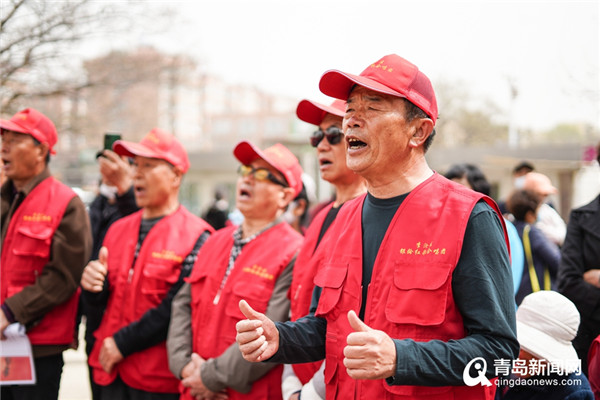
<point>355,144</point>
<point>324,161</point>
<point>244,193</point>
<point>138,189</point>
<point>5,162</point>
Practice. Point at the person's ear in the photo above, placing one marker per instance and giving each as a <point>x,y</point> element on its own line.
<point>177,176</point>
<point>44,148</point>
<point>300,207</point>
<point>421,130</point>
<point>286,196</point>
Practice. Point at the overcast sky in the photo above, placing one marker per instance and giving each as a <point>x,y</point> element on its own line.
<point>550,49</point>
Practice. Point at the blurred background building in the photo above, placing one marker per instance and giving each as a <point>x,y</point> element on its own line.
<point>132,91</point>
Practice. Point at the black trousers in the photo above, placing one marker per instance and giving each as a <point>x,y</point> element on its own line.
<point>118,390</point>
<point>48,371</point>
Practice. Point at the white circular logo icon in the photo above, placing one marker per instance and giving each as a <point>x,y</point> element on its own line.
<point>480,366</point>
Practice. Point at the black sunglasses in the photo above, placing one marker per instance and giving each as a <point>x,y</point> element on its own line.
<point>333,134</point>
<point>260,174</point>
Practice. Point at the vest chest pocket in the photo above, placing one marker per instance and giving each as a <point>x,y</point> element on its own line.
<point>157,279</point>
<point>31,245</point>
<point>257,294</point>
<point>419,293</point>
<point>330,277</point>
<point>33,241</point>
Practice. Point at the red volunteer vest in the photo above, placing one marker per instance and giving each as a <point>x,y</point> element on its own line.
<point>410,294</point>
<point>134,289</point>
<point>26,251</point>
<point>253,279</point>
<point>302,285</point>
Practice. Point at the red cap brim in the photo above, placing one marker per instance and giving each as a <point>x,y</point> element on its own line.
<point>11,126</point>
<point>246,152</point>
<point>289,167</point>
<point>338,84</point>
<point>130,149</point>
<point>313,112</point>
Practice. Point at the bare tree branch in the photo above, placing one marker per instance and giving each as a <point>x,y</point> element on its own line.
<point>40,38</point>
<point>11,13</point>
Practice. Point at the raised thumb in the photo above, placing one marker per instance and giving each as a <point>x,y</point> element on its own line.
<point>356,323</point>
<point>248,311</point>
<point>103,255</point>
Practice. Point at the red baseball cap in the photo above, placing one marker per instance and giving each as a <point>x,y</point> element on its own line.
<point>390,75</point>
<point>314,113</point>
<point>278,156</point>
<point>156,144</point>
<point>34,123</point>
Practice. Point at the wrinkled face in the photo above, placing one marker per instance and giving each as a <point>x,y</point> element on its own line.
<point>21,157</point>
<point>377,134</point>
<point>332,157</point>
<point>154,181</point>
<point>260,199</point>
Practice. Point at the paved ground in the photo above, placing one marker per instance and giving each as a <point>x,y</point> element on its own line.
<point>74,383</point>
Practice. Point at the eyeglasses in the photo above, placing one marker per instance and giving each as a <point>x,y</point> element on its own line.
<point>333,134</point>
<point>260,174</point>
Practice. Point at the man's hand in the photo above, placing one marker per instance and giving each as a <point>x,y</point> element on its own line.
<point>370,354</point>
<point>592,276</point>
<point>187,370</point>
<point>109,354</point>
<point>257,336</point>
<point>95,272</point>
<point>194,381</point>
<point>115,171</point>
<point>3,324</point>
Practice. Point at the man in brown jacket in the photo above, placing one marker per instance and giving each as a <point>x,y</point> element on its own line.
<point>46,241</point>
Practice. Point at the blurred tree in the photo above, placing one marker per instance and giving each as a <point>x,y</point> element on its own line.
<point>130,100</point>
<point>465,121</point>
<point>571,133</point>
<point>39,48</point>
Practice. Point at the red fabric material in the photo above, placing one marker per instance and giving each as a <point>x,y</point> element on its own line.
<point>26,251</point>
<point>253,279</point>
<point>410,294</point>
<point>594,367</point>
<point>302,285</point>
<point>135,291</point>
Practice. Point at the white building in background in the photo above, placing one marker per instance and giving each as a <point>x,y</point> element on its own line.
<point>146,89</point>
<point>586,184</point>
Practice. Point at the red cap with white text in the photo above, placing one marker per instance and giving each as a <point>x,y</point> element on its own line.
<point>391,75</point>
